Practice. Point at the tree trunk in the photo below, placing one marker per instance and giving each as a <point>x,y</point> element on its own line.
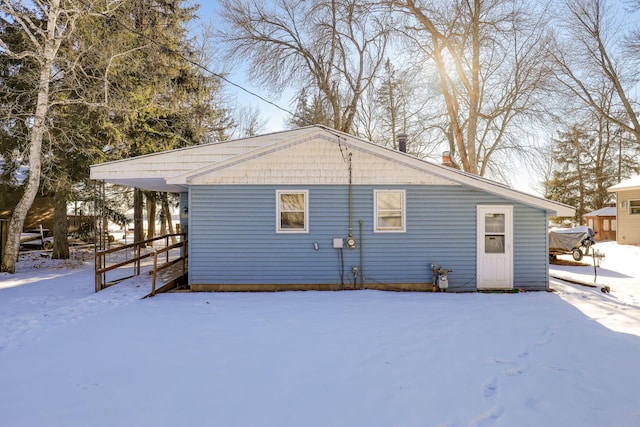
<point>16,224</point>
<point>474,92</point>
<point>60,226</point>
<point>581,185</point>
<point>163,222</point>
<point>151,215</point>
<point>167,215</point>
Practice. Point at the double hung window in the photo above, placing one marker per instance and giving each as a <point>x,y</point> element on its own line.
<point>390,210</point>
<point>293,211</point>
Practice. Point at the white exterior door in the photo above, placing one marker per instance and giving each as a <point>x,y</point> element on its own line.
<point>495,247</point>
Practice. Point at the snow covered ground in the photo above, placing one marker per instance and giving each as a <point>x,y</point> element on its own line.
<point>70,357</point>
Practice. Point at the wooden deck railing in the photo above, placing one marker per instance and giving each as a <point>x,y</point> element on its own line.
<point>182,259</point>
<point>101,267</point>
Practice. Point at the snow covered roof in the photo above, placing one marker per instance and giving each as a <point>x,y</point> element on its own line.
<point>606,211</point>
<point>629,184</point>
<point>286,156</point>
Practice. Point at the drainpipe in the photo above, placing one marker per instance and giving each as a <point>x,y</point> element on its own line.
<point>350,197</point>
<point>361,259</point>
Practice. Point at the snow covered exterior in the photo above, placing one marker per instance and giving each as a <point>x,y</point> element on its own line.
<point>314,208</point>
<point>603,223</point>
<point>628,211</point>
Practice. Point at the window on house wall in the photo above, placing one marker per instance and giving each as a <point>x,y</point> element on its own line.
<point>605,224</point>
<point>292,211</point>
<point>614,225</point>
<point>634,207</point>
<point>390,212</point>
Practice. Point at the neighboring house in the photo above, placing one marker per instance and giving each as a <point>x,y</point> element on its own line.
<point>603,223</point>
<point>40,213</point>
<point>314,208</point>
<point>628,210</point>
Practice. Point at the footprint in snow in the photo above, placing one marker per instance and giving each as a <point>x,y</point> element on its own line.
<point>546,338</point>
<point>490,388</point>
<point>488,418</point>
<point>512,372</point>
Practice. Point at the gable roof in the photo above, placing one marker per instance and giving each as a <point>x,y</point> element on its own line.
<point>606,211</point>
<point>315,158</point>
<point>629,184</point>
<point>234,162</point>
<point>150,171</point>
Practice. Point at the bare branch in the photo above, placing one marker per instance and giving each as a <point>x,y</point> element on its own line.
<point>336,47</point>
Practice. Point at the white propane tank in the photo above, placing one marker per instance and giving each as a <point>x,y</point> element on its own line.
<point>443,282</point>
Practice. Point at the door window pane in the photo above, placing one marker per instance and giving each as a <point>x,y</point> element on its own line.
<point>494,233</point>
<point>494,223</point>
<point>494,244</point>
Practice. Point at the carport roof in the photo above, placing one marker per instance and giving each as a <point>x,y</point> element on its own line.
<point>151,171</point>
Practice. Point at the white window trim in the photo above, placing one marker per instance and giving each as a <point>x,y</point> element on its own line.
<point>279,211</point>
<point>375,212</point>
<point>635,207</point>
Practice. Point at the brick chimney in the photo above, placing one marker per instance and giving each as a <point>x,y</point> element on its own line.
<point>402,141</point>
<point>446,159</point>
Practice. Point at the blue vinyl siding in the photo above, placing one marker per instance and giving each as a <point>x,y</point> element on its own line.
<point>531,250</point>
<point>233,239</point>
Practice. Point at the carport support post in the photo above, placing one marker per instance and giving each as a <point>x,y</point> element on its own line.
<point>138,224</point>
<point>595,269</point>
<point>99,196</point>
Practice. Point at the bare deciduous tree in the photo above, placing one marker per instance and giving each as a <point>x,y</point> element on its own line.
<point>632,39</point>
<point>490,57</point>
<point>401,101</point>
<point>248,122</point>
<point>335,47</point>
<point>591,62</point>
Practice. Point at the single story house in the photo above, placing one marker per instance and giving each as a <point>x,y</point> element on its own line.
<point>603,223</point>
<point>314,208</point>
<point>627,210</point>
